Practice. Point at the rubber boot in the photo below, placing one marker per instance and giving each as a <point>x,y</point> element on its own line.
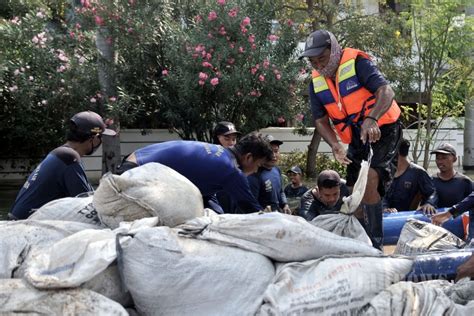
<point>373,223</point>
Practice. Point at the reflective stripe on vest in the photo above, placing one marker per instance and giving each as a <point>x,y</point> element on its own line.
<point>349,102</point>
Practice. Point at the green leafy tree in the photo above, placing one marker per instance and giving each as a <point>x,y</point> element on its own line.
<point>231,63</point>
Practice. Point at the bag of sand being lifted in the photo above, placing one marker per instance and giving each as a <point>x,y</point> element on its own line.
<point>73,209</point>
<point>19,237</point>
<point>18,297</point>
<point>421,237</point>
<point>345,223</point>
<point>423,298</point>
<point>331,285</point>
<point>147,191</point>
<point>171,275</point>
<point>281,237</point>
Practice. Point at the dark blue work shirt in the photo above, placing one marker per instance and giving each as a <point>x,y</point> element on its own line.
<point>467,204</point>
<point>369,76</point>
<point>406,187</point>
<point>211,168</point>
<point>292,192</point>
<point>452,191</point>
<point>59,175</point>
<point>267,187</point>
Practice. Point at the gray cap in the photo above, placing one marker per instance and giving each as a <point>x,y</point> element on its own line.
<point>316,43</point>
<point>90,123</point>
<point>295,169</point>
<point>445,148</point>
<point>272,140</point>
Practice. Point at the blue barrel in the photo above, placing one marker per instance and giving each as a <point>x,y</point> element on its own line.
<point>438,265</point>
<point>393,224</point>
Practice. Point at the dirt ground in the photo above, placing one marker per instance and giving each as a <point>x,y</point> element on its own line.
<point>388,250</point>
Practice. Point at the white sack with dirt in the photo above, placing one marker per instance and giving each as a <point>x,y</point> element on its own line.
<point>147,191</point>
<point>171,275</point>
<point>73,209</point>
<point>17,238</point>
<point>420,237</point>
<point>281,237</point>
<point>18,297</point>
<point>424,298</point>
<point>331,285</point>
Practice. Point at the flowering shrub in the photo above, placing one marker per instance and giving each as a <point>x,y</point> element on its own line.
<point>231,63</point>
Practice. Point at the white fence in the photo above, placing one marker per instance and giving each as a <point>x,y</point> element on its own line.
<point>133,139</point>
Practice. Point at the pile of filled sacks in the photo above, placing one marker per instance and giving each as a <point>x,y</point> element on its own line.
<point>143,244</point>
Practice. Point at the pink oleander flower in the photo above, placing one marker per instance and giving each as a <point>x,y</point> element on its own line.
<point>195,56</point>
<point>98,20</point>
<point>251,38</point>
<point>290,22</point>
<point>272,38</point>
<point>93,100</point>
<point>221,2</point>
<point>243,29</point>
<point>164,72</point>
<point>209,35</point>
<point>197,18</point>
<point>206,64</point>
<point>199,48</point>
<point>72,34</point>
<point>253,47</point>
<point>231,61</point>
<point>208,56</point>
<point>302,71</point>
<point>253,93</point>
<point>261,78</point>
<point>241,50</point>
<point>40,14</point>
<point>253,70</point>
<point>16,72</point>
<point>215,81</point>
<point>61,68</point>
<point>31,78</point>
<point>233,12</point>
<point>222,31</point>
<point>232,45</point>
<point>16,20</point>
<point>13,88</point>
<point>129,30</point>
<point>245,21</point>
<point>212,16</point>
<point>266,63</point>
<point>278,76</point>
<point>112,99</point>
<point>299,117</point>
<point>86,3</point>
<point>78,26</point>
<point>203,76</point>
<point>201,82</point>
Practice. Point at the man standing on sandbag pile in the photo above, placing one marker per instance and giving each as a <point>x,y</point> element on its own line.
<point>61,174</point>
<point>211,168</point>
<point>348,88</point>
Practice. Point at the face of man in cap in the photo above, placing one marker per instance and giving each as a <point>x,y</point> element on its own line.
<point>445,162</point>
<point>329,196</point>
<point>319,62</point>
<point>227,140</point>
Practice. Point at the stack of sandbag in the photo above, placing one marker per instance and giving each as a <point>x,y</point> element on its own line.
<point>18,297</point>
<point>331,285</point>
<point>73,209</point>
<point>19,237</point>
<point>84,259</point>
<point>147,191</point>
<point>171,275</point>
<point>280,237</point>
<point>424,298</point>
<point>345,223</point>
<point>420,237</point>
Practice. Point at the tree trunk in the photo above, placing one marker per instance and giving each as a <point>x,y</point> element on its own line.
<point>106,72</point>
<point>312,152</point>
<point>468,159</point>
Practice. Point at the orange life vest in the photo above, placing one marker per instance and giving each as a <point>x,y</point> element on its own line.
<point>348,102</point>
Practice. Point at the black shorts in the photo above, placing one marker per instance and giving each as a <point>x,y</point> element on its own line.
<point>384,158</point>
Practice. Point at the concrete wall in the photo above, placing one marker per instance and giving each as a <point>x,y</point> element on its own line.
<point>133,139</point>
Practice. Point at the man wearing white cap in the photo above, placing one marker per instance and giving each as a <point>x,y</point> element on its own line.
<point>61,174</point>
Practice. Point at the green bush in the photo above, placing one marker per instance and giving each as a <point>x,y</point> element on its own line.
<point>323,161</point>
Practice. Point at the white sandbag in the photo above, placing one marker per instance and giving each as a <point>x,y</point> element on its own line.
<point>343,225</point>
<point>147,191</point>
<point>17,238</point>
<point>170,275</point>
<point>78,258</point>
<point>331,285</point>
<point>73,209</point>
<point>281,237</point>
<point>462,292</point>
<point>17,297</point>
<point>413,299</point>
<point>421,237</point>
